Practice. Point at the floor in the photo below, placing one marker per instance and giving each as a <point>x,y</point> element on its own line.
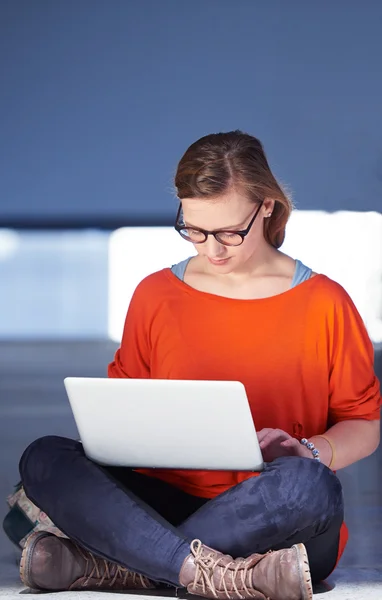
<point>33,403</point>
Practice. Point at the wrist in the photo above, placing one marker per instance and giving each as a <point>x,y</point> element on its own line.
<point>326,449</point>
<point>311,448</point>
<point>304,452</point>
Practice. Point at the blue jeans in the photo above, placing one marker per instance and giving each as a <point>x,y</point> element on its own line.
<point>147,525</point>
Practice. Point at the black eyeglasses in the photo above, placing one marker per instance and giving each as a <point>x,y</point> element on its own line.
<point>227,238</point>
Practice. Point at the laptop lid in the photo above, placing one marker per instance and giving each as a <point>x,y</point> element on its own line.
<point>162,423</point>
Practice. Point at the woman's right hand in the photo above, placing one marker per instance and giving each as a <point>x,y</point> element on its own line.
<point>275,443</point>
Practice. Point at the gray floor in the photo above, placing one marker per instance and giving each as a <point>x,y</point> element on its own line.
<point>33,403</point>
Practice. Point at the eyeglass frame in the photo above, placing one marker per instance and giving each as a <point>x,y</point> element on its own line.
<point>242,233</point>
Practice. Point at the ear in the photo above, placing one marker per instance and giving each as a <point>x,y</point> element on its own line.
<point>267,208</point>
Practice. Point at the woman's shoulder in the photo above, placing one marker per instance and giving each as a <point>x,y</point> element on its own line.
<point>330,296</point>
<point>155,285</point>
<point>328,288</point>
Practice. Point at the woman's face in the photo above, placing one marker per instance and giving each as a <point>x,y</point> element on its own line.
<point>230,212</point>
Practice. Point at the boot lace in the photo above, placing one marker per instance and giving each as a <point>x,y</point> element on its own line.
<point>233,576</point>
<point>110,573</point>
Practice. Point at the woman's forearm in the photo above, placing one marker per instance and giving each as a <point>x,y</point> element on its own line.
<point>352,440</point>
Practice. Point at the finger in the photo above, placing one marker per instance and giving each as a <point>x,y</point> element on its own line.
<point>274,435</point>
<point>263,433</point>
<point>270,440</point>
<point>289,443</point>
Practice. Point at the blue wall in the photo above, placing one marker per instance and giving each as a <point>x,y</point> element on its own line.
<point>99,99</point>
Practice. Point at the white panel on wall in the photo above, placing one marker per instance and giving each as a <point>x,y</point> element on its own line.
<point>134,253</point>
<point>346,246</point>
<point>53,285</point>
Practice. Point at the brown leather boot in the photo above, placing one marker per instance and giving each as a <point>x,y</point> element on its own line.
<point>52,563</point>
<point>280,575</point>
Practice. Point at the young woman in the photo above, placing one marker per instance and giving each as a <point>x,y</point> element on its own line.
<point>239,310</point>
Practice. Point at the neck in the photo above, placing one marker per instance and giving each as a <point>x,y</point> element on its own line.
<point>259,263</point>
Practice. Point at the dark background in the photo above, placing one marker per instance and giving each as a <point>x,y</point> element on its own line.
<point>99,99</point>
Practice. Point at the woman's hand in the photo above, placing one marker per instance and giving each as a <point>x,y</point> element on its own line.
<point>276,442</point>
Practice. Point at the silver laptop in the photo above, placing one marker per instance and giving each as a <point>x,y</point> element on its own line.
<point>164,423</point>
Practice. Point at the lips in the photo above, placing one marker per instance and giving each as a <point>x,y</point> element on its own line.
<point>218,262</point>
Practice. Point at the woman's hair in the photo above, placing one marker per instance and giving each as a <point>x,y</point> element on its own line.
<point>217,163</point>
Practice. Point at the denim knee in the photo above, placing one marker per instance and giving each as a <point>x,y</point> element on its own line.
<point>39,457</point>
<point>309,488</point>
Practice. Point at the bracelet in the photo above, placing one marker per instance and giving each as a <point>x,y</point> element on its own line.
<point>312,448</point>
<point>331,444</point>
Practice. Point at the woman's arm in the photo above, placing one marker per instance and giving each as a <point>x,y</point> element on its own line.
<point>354,392</point>
<point>351,441</point>
<point>132,359</point>
<point>342,445</point>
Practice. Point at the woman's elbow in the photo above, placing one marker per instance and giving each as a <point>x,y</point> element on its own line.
<point>375,436</point>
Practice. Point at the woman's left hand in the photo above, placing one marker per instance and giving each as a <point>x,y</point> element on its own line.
<point>276,442</point>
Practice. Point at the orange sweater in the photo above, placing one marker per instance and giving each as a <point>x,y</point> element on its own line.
<point>304,357</point>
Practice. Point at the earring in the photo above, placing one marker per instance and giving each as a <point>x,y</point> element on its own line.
<point>269,215</point>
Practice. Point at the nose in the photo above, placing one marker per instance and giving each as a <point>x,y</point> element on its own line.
<point>213,248</point>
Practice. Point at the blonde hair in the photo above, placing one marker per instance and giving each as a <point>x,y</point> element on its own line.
<point>218,162</point>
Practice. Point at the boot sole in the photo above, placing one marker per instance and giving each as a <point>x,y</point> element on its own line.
<point>26,555</point>
<point>304,572</point>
